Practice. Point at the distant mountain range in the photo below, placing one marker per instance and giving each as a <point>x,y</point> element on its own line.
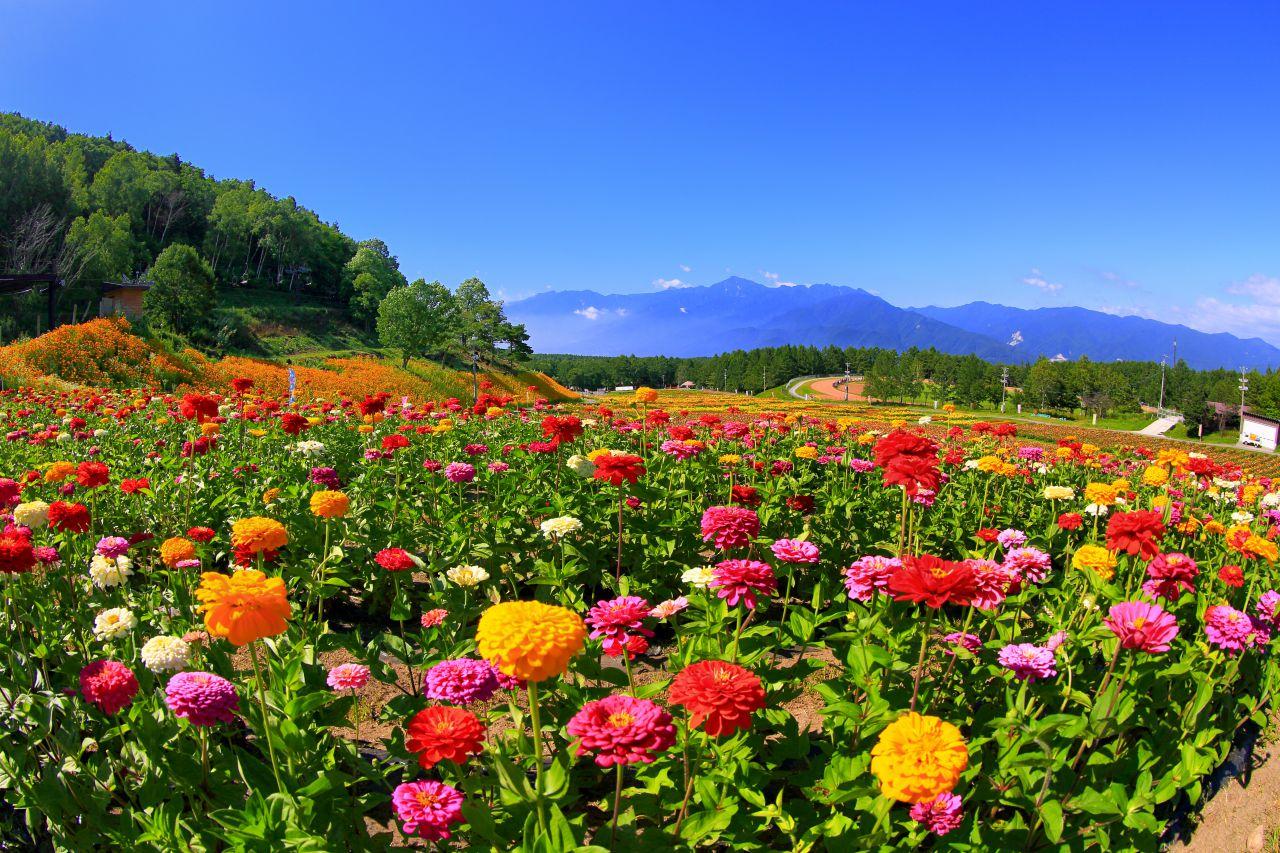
<point>741,314</point>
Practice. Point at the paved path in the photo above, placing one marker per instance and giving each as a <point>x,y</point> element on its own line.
<point>1161,425</point>
<point>825,389</point>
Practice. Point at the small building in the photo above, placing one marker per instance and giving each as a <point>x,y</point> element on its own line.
<point>687,384</point>
<point>1257,431</point>
<point>122,298</point>
<point>625,388</point>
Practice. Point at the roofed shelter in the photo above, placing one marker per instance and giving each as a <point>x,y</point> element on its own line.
<point>122,298</point>
<point>16,284</point>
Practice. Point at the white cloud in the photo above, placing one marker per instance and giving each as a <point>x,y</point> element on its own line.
<point>1037,280</point>
<point>1263,288</point>
<point>775,280</point>
<point>684,310</point>
<point>670,283</point>
<point>621,312</point>
<point>1117,279</point>
<point>772,276</point>
<point>1016,338</point>
<point>591,312</point>
<point>686,268</point>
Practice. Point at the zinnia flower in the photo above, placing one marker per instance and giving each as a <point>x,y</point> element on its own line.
<point>108,684</point>
<point>330,504</point>
<point>940,815</point>
<point>165,654</point>
<point>257,534</point>
<point>795,551</point>
<point>461,681</point>
<point>918,757</point>
<point>1137,533</point>
<point>396,560</point>
<point>617,468</point>
<point>202,698</point>
<point>348,676</point>
<point>428,809</point>
<point>868,575</point>
<point>529,639</point>
<point>444,733</point>
<point>622,730</point>
<point>933,582</point>
<point>908,460</point>
<point>1229,629</point>
<point>619,623</point>
<point>1143,626</point>
<point>69,517</point>
<point>459,472</point>
<point>33,514</point>
<point>244,606</point>
<point>176,549</point>
<point>730,526</point>
<point>740,580</point>
<point>1029,662</point>
<point>558,528</point>
<point>720,696</point>
<point>467,575</point>
<point>16,554</point>
<point>1096,559</point>
<point>114,622</point>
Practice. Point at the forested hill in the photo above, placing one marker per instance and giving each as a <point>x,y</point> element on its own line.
<point>93,209</point>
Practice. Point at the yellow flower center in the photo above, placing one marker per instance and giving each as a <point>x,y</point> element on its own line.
<point>1139,621</point>
<point>426,798</point>
<point>620,719</point>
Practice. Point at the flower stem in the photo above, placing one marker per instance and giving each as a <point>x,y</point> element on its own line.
<point>617,803</point>
<point>536,724</point>
<point>266,720</point>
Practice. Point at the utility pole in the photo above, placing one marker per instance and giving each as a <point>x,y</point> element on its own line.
<point>846,381</point>
<point>1244,386</point>
<point>475,381</point>
<point>1160,407</point>
<point>725,386</point>
<point>764,379</point>
<point>1004,385</point>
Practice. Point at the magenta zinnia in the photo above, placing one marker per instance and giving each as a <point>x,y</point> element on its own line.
<point>461,681</point>
<point>201,698</point>
<point>618,623</point>
<point>730,526</point>
<point>740,580</point>
<point>1139,625</point>
<point>622,730</point>
<point>428,809</point>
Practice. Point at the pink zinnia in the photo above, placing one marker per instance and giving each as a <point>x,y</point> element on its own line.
<point>1170,575</point>
<point>730,526</point>
<point>1229,629</point>
<point>1010,538</point>
<point>940,815</point>
<point>112,546</point>
<point>506,682</point>
<point>669,608</point>
<point>1143,626</point>
<point>969,642</point>
<point>1268,608</point>
<point>740,580</point>
<point>680,450</point>
<point>861,466</point>
<point>432,618</point>
<point>461,681</point>
<point>1031,563</point>
<point>618,623</point>
<point>348,676</point>
<point>869,575</point>
<point>459,472</point>
<point>795,551</point>
<point>201,698</point>
<point>108,684</point>
<point>1028,662</point>
<point>622,730</point>
<point>428,809</point>
<point>995,582</point>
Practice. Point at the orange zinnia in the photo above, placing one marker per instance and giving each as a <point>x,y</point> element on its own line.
<point>258,534</point>
<point>330,504</point>
<point>175,550</point>
<point>243,607</point>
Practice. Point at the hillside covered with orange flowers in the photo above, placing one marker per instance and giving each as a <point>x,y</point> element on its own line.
<point>105,352</point>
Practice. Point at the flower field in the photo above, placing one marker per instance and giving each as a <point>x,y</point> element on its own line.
<point>232,623</point>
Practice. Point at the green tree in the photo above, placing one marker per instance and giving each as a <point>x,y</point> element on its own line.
<point>181,293</point>
<point>373,272</point>
<point>416,320</point>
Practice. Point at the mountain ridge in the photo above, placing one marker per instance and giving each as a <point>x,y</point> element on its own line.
<point>738,313</point>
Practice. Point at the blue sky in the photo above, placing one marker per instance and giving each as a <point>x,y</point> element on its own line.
<point>1121,156</point>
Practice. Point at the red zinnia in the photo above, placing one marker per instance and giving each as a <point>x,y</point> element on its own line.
<point>933,581</point>
<point>744,495</point>
<point>1138,532</point>
<point>394,442</point>
<point>740,580</point>
<point>988,534</point>
<point>293,423</point>
<point>394,559</point>
<point>16,554</point>
<point>1232,576</point>
<point>201,534</point>
<point>561,430</point>
<point>443,732</point>
<point>730,526</point>
<point>92,474</point>
<point>108,684</point>
<point>615,468</point>
<point>70,518</point>
<point>199,407</point>
<point>241,384</point>
<point>801,503</point>
<point>1070,521</point>
<point>720,696</point>
<point>130,487</point>
<point>908,460</point>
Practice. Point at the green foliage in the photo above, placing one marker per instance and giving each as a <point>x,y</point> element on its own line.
<point>182,292</point>
<point>416,320</point>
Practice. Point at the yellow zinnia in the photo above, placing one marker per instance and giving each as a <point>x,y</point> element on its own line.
<point>258,534</point>
<point>918,757</point>
<point>1102,494</point>
<point>529,639</point>
<point>1096,559</point>
<point>330,504</point>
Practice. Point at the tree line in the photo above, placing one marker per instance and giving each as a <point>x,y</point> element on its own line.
<point>93,209</point>
<point>1055,387</point>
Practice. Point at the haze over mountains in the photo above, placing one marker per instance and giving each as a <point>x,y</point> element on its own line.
<point>741,314</point>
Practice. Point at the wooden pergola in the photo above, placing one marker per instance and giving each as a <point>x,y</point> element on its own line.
<point>15,284</point>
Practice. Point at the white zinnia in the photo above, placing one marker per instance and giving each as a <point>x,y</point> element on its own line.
<point>165,654</point>
<point>698,576</point>
<point>106,572</point>
<point>33,514</point>
<point>113,622</point>
<point>467,575</point>
<point>557,528</point>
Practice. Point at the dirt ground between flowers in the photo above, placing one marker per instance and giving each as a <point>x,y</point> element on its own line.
<point>1244,816</point>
